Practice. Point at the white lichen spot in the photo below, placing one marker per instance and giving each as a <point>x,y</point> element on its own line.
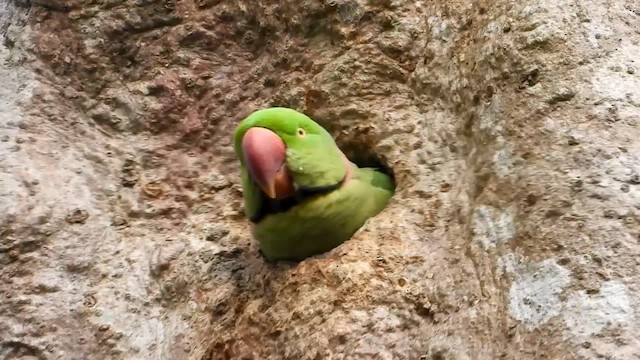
<point>509,264</point>
<point>595,29</point>
<point>587,315</point>
<point>493,227</point>
<point>494,27</point>
<point>503,162</point>
<point>534,296</point>
<point>491,121</point>
<point>612,82</point>
<point>441,29</point>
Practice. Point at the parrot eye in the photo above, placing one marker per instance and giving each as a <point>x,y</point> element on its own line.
<point>301,132</point>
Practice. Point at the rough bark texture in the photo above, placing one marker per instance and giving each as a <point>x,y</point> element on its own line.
<point>512,129</point>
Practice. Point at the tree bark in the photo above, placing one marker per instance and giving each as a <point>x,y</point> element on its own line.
<point>511,129</point>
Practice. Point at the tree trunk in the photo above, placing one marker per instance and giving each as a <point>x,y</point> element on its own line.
<point>511,129</point>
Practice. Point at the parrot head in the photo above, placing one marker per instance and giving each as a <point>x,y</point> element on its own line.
<point>283,152</point>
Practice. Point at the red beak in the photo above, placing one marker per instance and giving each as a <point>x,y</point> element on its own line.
<point>265,156</point>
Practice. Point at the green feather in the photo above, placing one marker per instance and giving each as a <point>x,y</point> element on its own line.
<point>323,222</point>
<point>326,212</point>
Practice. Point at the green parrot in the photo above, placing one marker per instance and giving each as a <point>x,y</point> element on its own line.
<point>301,193</point>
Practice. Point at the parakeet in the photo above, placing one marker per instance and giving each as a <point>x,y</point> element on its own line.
<point>302,194</point>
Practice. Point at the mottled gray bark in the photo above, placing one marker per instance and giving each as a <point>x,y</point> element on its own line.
<point>511,128</point>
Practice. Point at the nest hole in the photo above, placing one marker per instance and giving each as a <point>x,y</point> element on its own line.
<point>364,156</point>
<point>358,149</point>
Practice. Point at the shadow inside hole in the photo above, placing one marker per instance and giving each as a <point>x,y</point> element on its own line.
<point>363,156</point>
<point>358,150</point>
